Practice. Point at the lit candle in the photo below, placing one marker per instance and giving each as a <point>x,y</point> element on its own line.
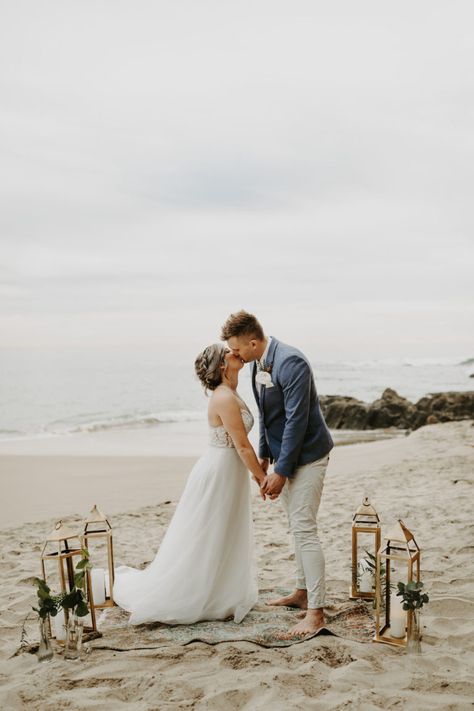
<point>366,581</point>
<point>58,626</point>
<point>398,617</point>
<point>98,585</point>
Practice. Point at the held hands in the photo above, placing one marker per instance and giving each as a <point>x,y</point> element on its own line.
<point>272,485</point>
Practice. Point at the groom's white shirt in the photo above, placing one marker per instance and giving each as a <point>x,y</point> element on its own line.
<point>261,362</point>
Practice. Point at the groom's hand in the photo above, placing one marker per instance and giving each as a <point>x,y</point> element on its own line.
<point>273,484</point>
<point>264,463</point>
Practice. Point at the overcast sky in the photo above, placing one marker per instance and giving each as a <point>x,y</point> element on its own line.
<point>165,163</point>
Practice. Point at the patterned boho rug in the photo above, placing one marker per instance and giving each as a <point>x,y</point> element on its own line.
<point>346,618</point>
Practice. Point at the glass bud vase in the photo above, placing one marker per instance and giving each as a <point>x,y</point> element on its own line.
<point>45,651</point>
<point>415,634</point>
<point>74,630</point>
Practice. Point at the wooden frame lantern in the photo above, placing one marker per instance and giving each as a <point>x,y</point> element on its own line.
<point>61,553</point>
<point>98,540</point>
<point>365,522</point>
<point>398,560</point>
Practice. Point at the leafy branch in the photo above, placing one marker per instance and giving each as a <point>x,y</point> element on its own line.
<point>73,600</point>
<point>412,596</point>
<point>47,604</point>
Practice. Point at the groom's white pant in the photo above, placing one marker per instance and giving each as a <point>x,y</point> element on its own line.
<point>300,498</point>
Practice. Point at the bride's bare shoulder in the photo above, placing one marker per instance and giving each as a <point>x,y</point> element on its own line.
<point>222,393</point>
<point>223,397</point>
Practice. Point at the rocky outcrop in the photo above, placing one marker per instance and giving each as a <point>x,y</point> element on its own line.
<point>344,413</point>
<point>392,410</point>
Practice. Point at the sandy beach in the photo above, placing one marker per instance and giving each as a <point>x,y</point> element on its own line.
<point>424,478</point>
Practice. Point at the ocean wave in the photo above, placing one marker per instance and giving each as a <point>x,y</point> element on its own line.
<point>124,422</point>
<point>393,363</point>
<point>82,424</point>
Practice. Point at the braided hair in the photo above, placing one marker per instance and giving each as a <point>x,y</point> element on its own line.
<point>208,366</point>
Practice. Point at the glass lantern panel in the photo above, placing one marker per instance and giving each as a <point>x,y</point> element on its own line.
<point>398,573</point>
<point>366,563</point>
<point>98,551</point>
<point>53,568</point>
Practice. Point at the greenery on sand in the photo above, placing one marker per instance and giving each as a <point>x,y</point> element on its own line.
<point>73,600</point>
<point>412,596</point>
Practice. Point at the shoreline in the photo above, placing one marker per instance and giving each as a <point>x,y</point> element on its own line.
<point>49,485</point>
<point>61,477</point>
<point>188,438</point>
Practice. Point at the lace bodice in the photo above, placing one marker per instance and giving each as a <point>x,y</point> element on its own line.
<point>219,437</point>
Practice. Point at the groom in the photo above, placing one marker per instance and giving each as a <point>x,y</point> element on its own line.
<point>294,437</point>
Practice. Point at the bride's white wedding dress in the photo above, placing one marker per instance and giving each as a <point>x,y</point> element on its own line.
<point>204,568</point>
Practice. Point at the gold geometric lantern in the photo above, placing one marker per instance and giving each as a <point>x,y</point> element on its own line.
<point>399,556</point>
<point>98,540</point>
<point>61,553</point>
<point>365,524</point>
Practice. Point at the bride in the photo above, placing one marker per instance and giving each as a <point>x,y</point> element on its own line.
<point>204,568</point>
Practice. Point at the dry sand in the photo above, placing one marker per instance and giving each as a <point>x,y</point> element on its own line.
<point>425,478</point>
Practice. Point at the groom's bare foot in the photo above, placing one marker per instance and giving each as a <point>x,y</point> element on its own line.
<point>312,622</point>
<point>299,598</point>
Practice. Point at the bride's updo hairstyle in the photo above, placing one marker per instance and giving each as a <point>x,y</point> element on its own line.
<point>208,366</point>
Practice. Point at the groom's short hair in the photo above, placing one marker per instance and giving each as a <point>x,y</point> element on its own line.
<point>242,324</point>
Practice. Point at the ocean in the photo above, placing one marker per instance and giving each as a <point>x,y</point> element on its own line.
<point>53,393</point>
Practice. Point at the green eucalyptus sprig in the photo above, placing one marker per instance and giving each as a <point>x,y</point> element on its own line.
<point>412,596</point>
<point>73,600</point>
<point>47,604</point>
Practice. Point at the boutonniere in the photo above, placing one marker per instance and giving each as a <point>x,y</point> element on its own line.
<point>264,376</point>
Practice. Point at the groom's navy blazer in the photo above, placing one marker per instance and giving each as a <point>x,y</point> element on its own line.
<point>292,427</point>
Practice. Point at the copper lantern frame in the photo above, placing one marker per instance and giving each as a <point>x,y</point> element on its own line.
<point>63,546</point>
<point>400,545</point>
<point>97,528</point>
<point>365,520</point>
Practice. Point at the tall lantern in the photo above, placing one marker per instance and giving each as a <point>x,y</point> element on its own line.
<point>400,556</point>
<point>365,523</point>
<point>99,542</point>
<point>61,553</point>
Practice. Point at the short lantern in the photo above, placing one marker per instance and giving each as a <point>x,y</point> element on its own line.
<point>365,525</point>
<point>98,540</point>
<point>398,560</point>
<point>61,553</point>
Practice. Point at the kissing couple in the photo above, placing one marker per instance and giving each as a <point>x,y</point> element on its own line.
<point>204,568</point>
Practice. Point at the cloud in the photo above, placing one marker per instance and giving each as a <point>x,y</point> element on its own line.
<point>165,156</point>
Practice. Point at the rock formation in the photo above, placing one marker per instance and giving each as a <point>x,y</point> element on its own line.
<point>392,410</point>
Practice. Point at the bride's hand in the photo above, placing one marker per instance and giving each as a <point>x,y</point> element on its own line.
<point>259,483</point>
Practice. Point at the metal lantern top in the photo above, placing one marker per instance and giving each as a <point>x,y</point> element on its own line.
<point>96,522</point>
<point>401,540</point>
<point>61,540</point>
<point>366,515</point>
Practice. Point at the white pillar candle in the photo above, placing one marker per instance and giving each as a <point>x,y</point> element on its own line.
<point>398,617</point>
<point>366,581</point>
<point>58,625</point>
<point>107,584</point>
<point>98,585</point>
